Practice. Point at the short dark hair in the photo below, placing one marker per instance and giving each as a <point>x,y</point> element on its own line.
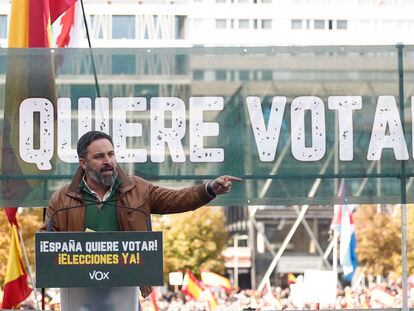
<point>87,139</point>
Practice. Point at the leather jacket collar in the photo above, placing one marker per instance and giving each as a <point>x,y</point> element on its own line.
<point>74,191</point>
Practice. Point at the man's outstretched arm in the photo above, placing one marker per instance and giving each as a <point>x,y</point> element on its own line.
<point>166,201</point>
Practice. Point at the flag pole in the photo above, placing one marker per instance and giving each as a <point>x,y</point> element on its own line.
<point>403,185</point>
<point>29,270</point>
<point>43,290</point>
<point>335,252</point>
<point>98,93</point>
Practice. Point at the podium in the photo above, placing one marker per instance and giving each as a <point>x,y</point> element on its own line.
<point>99,298</point>
<point>99,270</point>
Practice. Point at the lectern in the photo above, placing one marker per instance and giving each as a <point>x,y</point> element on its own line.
<point>99,270</point>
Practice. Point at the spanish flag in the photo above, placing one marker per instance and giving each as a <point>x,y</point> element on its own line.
<point>16,288</point>
<point>291,279</point>
<point>31,20</point>
<point>196,290</point>
<point>215,280</point>
<point>191,286</point>
<point>210,299</point>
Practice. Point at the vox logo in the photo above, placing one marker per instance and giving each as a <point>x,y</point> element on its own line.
<point>99,275</point>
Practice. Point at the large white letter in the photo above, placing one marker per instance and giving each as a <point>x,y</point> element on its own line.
<point>297,115</point>
<point>122,130</point>
<point>42,156</point>
<point>266,139</point>
<point>102,114</point>
<point>386,115</point>
<point>161,135</point>
<point>200,129</point>
<point>64,140</point>
<point>345,105</point>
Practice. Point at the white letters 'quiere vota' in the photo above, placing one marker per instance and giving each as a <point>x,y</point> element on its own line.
<point>162,136</point>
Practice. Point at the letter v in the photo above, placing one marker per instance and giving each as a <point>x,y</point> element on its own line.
<point>266,138</point>
<point>92,275</point>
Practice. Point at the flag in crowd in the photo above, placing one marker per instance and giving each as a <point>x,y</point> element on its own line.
<point>343,221</point>
<point>211,300</point>
<point>291,278</point>
<point>215,280</point>
<point>347,251</point>
<point>16,288</point>
<point>197,289</point>
<point>191,286</point>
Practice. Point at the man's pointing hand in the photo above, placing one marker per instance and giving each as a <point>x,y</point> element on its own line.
<point>222,184</point>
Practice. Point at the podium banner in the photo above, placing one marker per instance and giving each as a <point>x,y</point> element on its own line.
<point>99,259</point>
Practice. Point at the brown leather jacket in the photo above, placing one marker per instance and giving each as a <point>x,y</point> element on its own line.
<point>141,197</point>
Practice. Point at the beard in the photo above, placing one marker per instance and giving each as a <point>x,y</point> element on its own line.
<point>106,180</point>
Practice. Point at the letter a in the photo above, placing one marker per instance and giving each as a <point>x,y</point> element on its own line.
<point>386,116</point>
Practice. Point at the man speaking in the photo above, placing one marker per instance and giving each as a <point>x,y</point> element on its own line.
<point>102,198</point>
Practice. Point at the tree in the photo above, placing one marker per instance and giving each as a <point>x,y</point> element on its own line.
<point>379,239</point>
<point>193,240</point>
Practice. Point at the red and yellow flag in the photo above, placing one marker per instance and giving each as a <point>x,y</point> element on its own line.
<point>211,300</point>
<point>291,279</point>
<point>11,215</point>
<point>215,280</point>
<point>31,20</point>
<point>196,290</point>
<point>16,288</point>
<point>191,286</point>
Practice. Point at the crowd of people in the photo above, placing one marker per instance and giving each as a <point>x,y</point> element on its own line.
<point>374,296</point>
